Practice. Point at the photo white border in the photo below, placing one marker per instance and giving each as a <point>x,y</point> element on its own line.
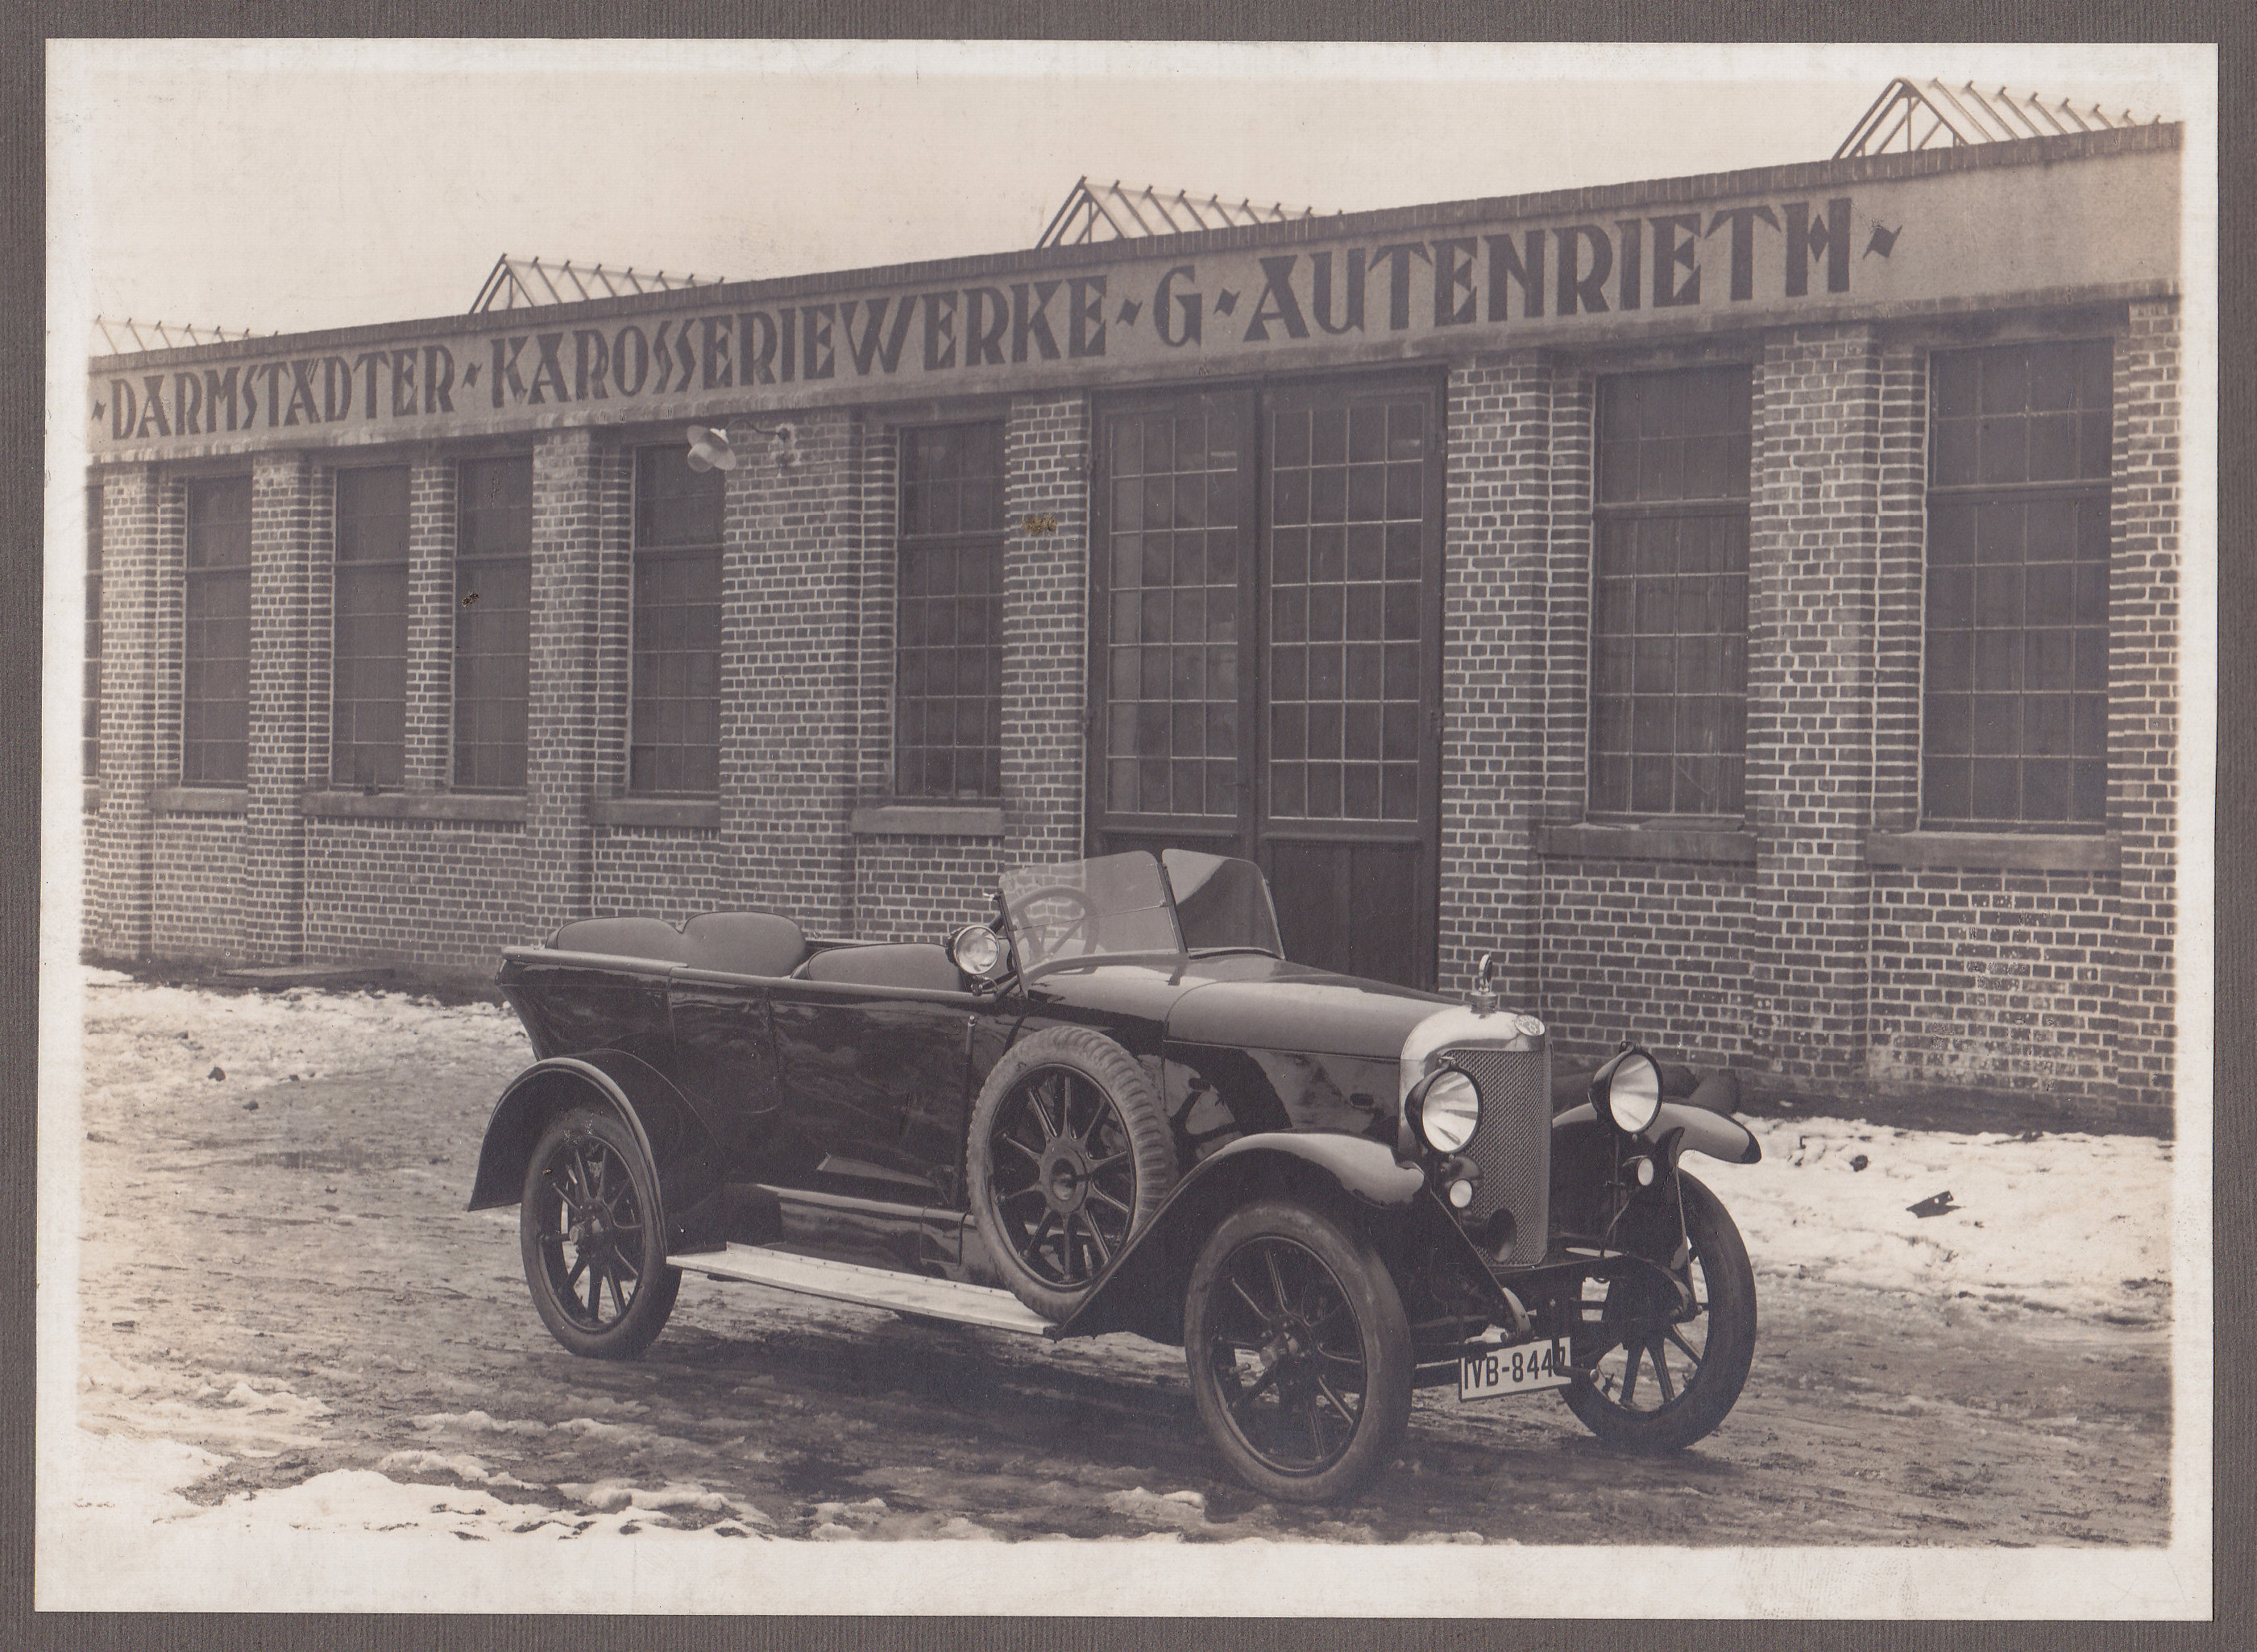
<point>180,1571</point>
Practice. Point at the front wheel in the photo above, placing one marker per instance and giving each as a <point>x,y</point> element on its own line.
<point>595,1259</point>
<point>1299,1352</point>
<point>1664,1377</point>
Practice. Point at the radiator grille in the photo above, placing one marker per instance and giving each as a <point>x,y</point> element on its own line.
<point>1513,1146</point>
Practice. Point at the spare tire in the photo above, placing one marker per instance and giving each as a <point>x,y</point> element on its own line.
<point>1070,1154</point>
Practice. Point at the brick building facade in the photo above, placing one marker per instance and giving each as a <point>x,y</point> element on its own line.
<point>1767,647</point>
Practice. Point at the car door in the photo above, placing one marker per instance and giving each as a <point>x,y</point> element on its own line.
<point>875,1079</point>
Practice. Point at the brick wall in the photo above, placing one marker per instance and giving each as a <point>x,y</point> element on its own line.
<point>274,893</point>
<point>445,894</point>
<point>1656,950</point>
<point>1818,968</point>
<point>790,673</point>
<point>1045,626</point>
<point>118,864</point>
<point>200,908</point>
<point>1995,979</point>
<point>662,872</point>
<point>924,888</point>
<point>428,728</point>
<point>1497,514</point>
<point>560,754</point>
<point>1812,539</point>
<point>2143,711</point>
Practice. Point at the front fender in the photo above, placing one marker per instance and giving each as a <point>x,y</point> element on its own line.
<point>1697,1130</point>
<point>1142,1290</point>
<point>677,1147</point>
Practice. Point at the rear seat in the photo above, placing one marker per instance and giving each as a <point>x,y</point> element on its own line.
<point>625,938</point>
<point>912,965</point>
<point>746,943</point>
<point>734,943</point>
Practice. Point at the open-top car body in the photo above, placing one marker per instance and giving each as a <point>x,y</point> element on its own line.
<point>1119,1107</point>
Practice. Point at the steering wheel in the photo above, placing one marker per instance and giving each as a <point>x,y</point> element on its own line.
<point>1051,937</point>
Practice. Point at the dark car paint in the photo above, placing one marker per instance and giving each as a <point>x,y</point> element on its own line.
<point>673,1140</point>
<point>880,1080</point>
<point>1289,1086</point>
<point>1266,1003</point>
<point>1140,1291</point>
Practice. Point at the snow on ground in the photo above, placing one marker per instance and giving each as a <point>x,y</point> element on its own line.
<point>2074,1223</point>
<point>147,1043</point>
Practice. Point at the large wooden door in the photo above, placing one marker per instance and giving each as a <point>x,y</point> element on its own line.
<point>1266,661</point>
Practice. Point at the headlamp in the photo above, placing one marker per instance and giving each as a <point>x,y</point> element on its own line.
<point>1628,1090</point>
<point>1444,1110</point>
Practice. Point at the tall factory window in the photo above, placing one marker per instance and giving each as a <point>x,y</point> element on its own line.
<point>215,639</point>
<point>91,711</point>
<point>493,591</point>
<point>1669,622</point>
<point>368,697</point>
<point>2014,707</point>
<point>673,739</point>
<point>948,739</point>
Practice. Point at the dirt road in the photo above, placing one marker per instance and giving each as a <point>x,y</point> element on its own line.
<point>296,1287</point>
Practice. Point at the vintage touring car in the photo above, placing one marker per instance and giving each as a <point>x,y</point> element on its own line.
<point>1118,1106</point>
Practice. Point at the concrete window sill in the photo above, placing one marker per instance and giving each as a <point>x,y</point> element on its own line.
<point>414,805</point>
<point>1704,845</point>
<point>929,820</point>
<point>1997,851</point>
<point>689,814</point>
<point>199,800</point>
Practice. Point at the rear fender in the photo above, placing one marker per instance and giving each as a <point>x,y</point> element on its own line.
<point>675,1143</point>
<point>1356,1180</point>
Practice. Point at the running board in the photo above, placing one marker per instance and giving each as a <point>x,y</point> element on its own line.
<point>870,1286</point>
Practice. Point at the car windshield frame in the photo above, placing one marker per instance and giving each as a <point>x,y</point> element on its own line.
<point>1137,903</point>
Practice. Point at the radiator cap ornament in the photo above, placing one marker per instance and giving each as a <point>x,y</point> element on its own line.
<point>1482,1000</point>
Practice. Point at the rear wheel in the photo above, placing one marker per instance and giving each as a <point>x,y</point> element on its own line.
<point>1299,1352</point>
<point>1666,1375</point>
<point>595,1259</point>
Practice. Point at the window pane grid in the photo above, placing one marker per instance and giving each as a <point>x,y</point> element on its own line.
<point>215,641</point>
<point>1669,590</point>
<point>948,657</point>
<point>493,587</point>
<point>1171,632</point>
<point>369,653</point>
<point>673,745</point>
<point>1343,668</point>
<point>2015,696</point>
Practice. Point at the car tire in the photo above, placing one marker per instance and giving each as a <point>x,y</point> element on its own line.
<point>588,1225</point>
<point>1299,1352</point>
<point>1706,1360</point>
<point>1068,1157</point>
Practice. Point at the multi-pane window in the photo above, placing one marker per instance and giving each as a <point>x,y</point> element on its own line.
<point>1669,622</point>
<point>493,588</point>
<point>369,648</point>
<point>948,735</point>
<point>674,739</point>
<point>2014,726</point>
<point>1347,509</point>
<point>90,724</point>
<point>216,638</point>
<point>1172,734</point>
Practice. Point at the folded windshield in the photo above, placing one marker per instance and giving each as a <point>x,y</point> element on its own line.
<point>1128,903</point>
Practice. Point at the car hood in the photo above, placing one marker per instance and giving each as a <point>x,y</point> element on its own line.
<point>1267,1003</point>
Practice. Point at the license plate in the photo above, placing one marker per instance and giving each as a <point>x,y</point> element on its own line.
<point>1483,1373</point>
